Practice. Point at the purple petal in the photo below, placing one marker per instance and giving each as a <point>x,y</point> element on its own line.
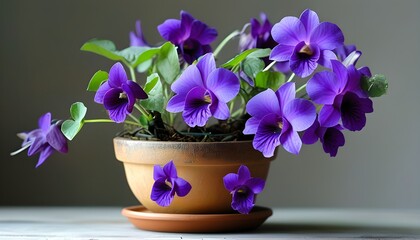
<point>56,139</point>
<point>285,94</point>
<point>44,122</point>
<point>219,110</point>
<point>290,139</point>
<point>223,83</point>
<point>281,53</point>
<point>202,33</point>
<point>170,170</point>
<point>303,64</point>
<point>353,83</point>
<point>263,103</point>
<point>189,79</point>
<point>310,136</point>
<point>186,22</point>
<point>37,145</point>
<point>117,75</point>
<point>332,140</point>
<point>365,71</point>
<point>45,153</point>
<point>327,36</point>
<point>182,187</point>
<point>100,93</point>
<point>243,174</point>
<point>138,92</point>
<point>255,184</point>
<point>326,57</point>
<point>243,202</point>
<point>116,106</point>
<point>251,125</point>
<point>206,65</point>
<point>267,137</point>
<point>158,173</point>
<point>300,113</point>
<point>353,110</point>
<point>289,31</point>
<point>350,59</point>
<point>162,194</point>
<point>197,110</point>
<point>172,31</point>
<point>130,97</point>
<point>329,116</point>
<point>230,181</point>
<point>255,27</point>
<point>176,103</point>
<point>310,20</point>
<point>341,76</point>
<point>322,88</point>
<point>137,37</point>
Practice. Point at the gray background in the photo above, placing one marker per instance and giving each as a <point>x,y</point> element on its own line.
<point>42,69</point>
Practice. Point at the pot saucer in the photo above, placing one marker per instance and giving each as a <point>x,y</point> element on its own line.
<point>144,219</point>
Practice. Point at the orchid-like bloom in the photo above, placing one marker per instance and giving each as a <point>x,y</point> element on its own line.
<point>260,35</point>
<point>118,94</point>
<point>191,36</point>
<point>331,137</point>
<point>137,37</point>
<point>243,188</point>
<point>44,140</point>
<point>167,184</point>
<point>276,118</point>
<point>203,91</point>
<point>305,42</point>
<point>342,96</point>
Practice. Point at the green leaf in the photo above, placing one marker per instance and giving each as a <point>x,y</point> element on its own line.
<point>258,53</point>
<point>268,79</point>
<point>131,54</point>
<point>375,86</point>
<point>104,48</point>
<point>251,66</point>
<point>144,66</point>
<point>154,90</point>
<point>168,63</point>
<point>146,56</point>
<point>97,79</point>
<point>71,127</point>
<point>78,111</point>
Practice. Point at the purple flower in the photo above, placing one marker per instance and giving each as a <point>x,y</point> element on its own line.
<point>118,94</point>
<point>352,58</point>
<point>167,183</point>
<point>305,42</point>
<point>276,117</point>
<point>191,36</point>
<point>44,140</point>
<point>340,93</point>
<point>137,37</point>
<point>243,188</point>
<point>202,91</point>
<point>344,50</point>
<point>260,35</point>
<point>331,137</point>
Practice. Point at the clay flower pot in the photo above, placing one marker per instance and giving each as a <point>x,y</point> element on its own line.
<point>202,164</point>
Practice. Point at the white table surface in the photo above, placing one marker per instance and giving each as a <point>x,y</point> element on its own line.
<point>98,223</point>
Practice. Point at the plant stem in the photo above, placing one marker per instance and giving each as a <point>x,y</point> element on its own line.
<point>269,66</point>
<point>107,121</point>
<point>143,111</point>
<point>301,88</point>
<point>225,41</point>
<point>291,77</point>
<point>132,73</point>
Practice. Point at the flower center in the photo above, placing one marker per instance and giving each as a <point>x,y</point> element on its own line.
<point>168,184</point>
<point>123,95</point>
<point>207,98</point>
<point>280,124</point>
<point>306,50</point>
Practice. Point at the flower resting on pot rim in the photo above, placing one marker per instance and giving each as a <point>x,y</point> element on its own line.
<point>246,98</point>
<point>243,188</point>
<point>167,183</point>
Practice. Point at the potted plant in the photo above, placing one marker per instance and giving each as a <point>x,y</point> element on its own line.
<point>198,135</point>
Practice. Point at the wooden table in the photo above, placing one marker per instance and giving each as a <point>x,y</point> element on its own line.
<point>99,223</point>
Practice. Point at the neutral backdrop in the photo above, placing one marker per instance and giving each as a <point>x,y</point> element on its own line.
<point>42,69</point>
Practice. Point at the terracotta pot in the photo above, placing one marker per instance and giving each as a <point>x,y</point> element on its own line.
<point>203,165</point>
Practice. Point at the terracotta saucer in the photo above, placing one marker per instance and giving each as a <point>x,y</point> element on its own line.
<point>144,219</point>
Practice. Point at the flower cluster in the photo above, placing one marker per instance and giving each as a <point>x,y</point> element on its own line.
<point>273,92</point>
